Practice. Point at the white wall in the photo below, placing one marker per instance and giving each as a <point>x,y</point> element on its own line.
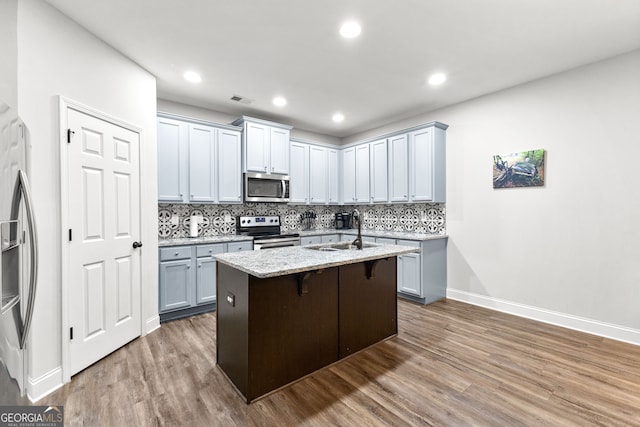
<point>568,252</point>
<point>57,57</point>
<point>220,117</point>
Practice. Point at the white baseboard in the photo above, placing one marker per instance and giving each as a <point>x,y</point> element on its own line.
<point>40,387</point>
<point>607,330</point>
<point>152,324</point>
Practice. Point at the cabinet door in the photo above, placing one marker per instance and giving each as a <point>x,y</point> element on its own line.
<point>240,246</point>
<point>378,170</point>
<point>398,168</point>
<point>318,179</point>
<point>257,147</point>
<point>421,165</point>
<point>172,160</point>
<point>206,280</point>
<point>362,173</point>
<point>202,162</point>
<point>299,173</point>
<point>229,171</point>
<point>333,176</point>
<point>175,285</point>
<point>279,151</point>
<point>349,175</point>
<point>330,238</point>
<point>409,274</point>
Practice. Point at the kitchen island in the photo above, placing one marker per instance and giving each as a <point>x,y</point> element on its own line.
<point>285,313</point>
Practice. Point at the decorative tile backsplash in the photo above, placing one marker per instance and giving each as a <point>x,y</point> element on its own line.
<point>218,220</point>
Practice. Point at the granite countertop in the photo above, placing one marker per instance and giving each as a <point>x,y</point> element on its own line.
<point>282,261</point>
<point>203,240</point>
<point>373,233</point>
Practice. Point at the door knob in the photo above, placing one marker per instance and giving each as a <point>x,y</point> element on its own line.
<point>137,245</point>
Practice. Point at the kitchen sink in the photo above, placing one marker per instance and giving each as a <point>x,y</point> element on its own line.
<point>343,246</point>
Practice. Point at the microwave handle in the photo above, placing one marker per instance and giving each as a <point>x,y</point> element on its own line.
<point>284,188</point>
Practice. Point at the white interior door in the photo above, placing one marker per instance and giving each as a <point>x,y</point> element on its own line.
<point>104,220</point>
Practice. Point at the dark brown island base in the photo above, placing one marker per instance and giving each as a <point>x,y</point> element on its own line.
<point>272,331</point>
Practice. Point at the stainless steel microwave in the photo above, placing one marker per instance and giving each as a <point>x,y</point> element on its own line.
<point>262,187</point>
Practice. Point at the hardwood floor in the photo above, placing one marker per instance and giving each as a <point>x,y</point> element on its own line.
<point>452,364</point>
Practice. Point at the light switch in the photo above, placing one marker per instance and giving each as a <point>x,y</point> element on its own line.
<point>175,220</point>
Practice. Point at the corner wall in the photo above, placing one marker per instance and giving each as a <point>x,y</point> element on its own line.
<point>58,57</point>
<point>566,253</point>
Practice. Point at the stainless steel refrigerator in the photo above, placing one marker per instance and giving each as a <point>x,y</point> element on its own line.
<point>19,257</point>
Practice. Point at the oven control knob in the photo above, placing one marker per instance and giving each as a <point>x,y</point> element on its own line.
<point>248,221</point>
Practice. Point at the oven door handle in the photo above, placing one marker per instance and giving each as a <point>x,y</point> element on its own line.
<point>276,245</point>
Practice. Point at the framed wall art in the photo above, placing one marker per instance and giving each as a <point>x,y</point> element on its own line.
<point>523,169</point>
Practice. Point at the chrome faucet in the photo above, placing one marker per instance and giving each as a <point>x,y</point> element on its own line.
<point>356,217</point>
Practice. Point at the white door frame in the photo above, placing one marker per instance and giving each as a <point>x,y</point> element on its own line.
<point>64,104</point>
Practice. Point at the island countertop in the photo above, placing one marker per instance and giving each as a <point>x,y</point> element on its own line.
<point>297,259</point>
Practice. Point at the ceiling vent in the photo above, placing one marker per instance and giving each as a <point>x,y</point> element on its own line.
<point>241,99</point>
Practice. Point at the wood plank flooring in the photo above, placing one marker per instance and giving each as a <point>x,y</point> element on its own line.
<point>452,364</point>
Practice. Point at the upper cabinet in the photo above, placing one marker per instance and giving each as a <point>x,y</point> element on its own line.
<point>299,173</point>
<point>313,173</point>
<point>427,164</point>
<point>198,162</point>
<point>379,172</point>
<point>173,152</point>
<point>399,168</point>
<point>266,146</point>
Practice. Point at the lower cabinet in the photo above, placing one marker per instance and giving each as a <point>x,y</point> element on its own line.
<point>310,240</point>
<point>188,278</point>
<point>422,276</point>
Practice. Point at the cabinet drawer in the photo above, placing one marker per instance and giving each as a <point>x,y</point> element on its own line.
<point>330,238</point>
<point>385,241</point>
<point>179,252</point>
<point>310,240</point>
<point>240,246</point>
<point>209,250</point>
<point>414,243</point>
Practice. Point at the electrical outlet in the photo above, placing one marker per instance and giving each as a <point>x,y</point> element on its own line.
<point>228,219</point>
<point>175,220</point>
<point>231,299</point>
<point>423,217</point>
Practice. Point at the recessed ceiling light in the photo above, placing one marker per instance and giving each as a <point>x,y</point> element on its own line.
<point>192,76</point>
<point>437,79</point>
<point>350,30</point>
<point>279,101</point>
<point>338,117</point>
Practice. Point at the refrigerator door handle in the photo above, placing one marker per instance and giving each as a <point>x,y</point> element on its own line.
<point>22,189</point>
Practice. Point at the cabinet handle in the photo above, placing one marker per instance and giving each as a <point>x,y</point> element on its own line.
<point>176,254</point>
<point>181,195</point>
<point>265,168</point>
<point>272,169</point>
<point>199,265</point>
<point>188,266</point>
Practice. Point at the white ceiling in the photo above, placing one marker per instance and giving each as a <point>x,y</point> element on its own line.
<point>259,49</point>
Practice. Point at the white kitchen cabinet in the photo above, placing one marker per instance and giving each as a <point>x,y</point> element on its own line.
<point>399,168</point>
<point>202,163</point>
<point>310,240</point>
<point>427,163</point>
<point>198,162</point>
<point>330,238</point>
<point>299,172</point>
<point>334,176</point>
<point>266,146</point>
<point>229,170</point>
<point>349,175</point>
<point>318,179</point>
<point>409,274</point>
<point>183,291</point>
<point>173,151</point>
<point>362,173</point>
<point>378,171</point>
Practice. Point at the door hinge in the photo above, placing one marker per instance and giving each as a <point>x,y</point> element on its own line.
<point>69,133</point>
<point>70,235</point>
<point>70,333</point>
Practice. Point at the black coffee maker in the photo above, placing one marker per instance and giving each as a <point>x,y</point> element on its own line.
<point>343,220</point>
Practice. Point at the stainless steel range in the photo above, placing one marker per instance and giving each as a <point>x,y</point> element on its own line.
<point>265,231</point>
